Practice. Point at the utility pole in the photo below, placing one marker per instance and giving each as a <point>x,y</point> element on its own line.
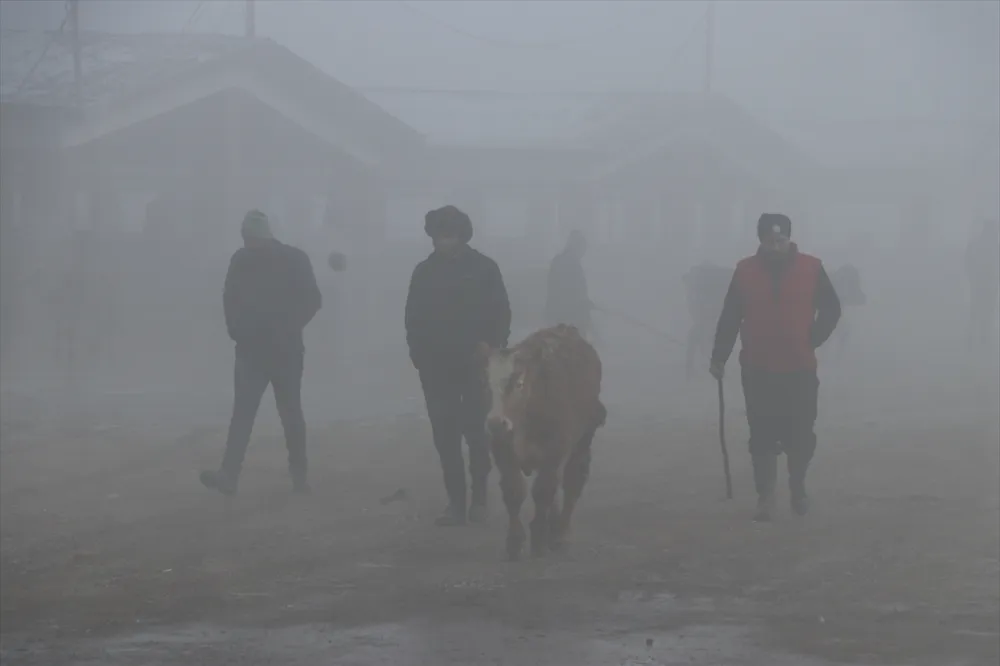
<point>709,46</point>
<point>251,26</point>
<point>74,18</point>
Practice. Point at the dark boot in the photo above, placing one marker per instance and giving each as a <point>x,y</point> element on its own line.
<point>454,483</point>
<point>765,473</point>
<point>453,516</point>
<point>478,512</point>
<point>797,484</point>
<point>219,480</point>
<point>300,486</point>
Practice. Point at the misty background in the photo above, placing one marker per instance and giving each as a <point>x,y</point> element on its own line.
<point>867,121</point>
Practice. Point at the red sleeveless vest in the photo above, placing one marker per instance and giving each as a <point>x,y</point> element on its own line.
<point>778,317</point>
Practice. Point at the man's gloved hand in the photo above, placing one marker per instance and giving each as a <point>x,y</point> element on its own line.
<point>716,369</point>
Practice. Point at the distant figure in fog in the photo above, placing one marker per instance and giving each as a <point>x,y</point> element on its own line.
<point>982,265</point>
<point>456,303</point>
<point>783,306</point>
<point>566,298</point>
<point>270,295</point>
<point>847,283</point>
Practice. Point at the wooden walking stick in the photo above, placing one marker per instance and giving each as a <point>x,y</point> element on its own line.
<point>722,440</point>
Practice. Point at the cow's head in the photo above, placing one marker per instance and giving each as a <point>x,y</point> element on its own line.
<point>509,381</point>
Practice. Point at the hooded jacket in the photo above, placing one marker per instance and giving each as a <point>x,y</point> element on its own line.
<point>270,294</point>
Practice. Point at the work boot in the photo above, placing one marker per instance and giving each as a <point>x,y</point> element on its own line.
<point>477,510</point>
<point>453,516</point>
<point>797,466</point>
<point>219,480</point>
<point>765,473</point>
<point>765,505</point>
<point>300,486</point>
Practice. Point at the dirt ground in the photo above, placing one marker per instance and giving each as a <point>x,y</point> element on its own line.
<point>113,554</point>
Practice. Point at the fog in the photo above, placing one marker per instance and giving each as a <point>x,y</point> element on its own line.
<point>661,130</point>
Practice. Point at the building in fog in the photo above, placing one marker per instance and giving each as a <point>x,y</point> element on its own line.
<point>29,154</point>
<point>690,173</point>
<point>210,125</point>
<point>509,191</point>
<point>165,145</point>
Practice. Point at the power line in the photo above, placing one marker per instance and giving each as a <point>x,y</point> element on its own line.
<point>512,43</point>
<point>676,54</point>
<point>194,17</point>
<point>496,92</point>
<point>45,51</point>
<point>672,59</point>
<point>224,16</point>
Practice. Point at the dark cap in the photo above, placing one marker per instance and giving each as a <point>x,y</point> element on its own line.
<point>256,225</point>
<point>448,221</point>
<point>774,223</point>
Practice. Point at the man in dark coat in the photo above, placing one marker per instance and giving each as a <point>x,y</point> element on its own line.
<point>270,295</point>
<point>456,302</point>
<point>783,306</point>
<point>566,297</point>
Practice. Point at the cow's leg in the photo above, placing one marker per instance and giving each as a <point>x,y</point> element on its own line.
<point>512,487</point>
<point>543,492</point>
<point>574,478</point>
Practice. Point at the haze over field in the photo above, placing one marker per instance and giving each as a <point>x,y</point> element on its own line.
<point>661,130</point>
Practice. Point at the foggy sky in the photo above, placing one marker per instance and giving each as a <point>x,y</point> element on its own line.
<point>922,68</point>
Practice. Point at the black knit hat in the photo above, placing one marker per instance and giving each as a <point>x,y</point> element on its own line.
<point>256,225</point>
<point>774,222</point>
<point>448,221</point>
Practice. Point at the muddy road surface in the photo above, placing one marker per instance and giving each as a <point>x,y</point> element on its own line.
<point>113,554</point>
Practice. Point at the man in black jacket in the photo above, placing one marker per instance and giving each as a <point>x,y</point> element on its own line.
<point>456,301</point>
<point>270,295</point>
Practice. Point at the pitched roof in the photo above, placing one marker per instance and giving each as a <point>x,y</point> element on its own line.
<point>490,164</point>
<point>634,127</point>
<point>37,69</point>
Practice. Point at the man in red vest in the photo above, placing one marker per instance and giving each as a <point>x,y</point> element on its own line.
<point>783,306</point>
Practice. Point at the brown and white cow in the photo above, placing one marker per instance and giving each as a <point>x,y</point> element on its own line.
<point>545,409</point>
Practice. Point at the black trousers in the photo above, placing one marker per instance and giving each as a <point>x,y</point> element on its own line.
<point>456,406</point>
<point>251,376</point>
<point>781,413</point>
